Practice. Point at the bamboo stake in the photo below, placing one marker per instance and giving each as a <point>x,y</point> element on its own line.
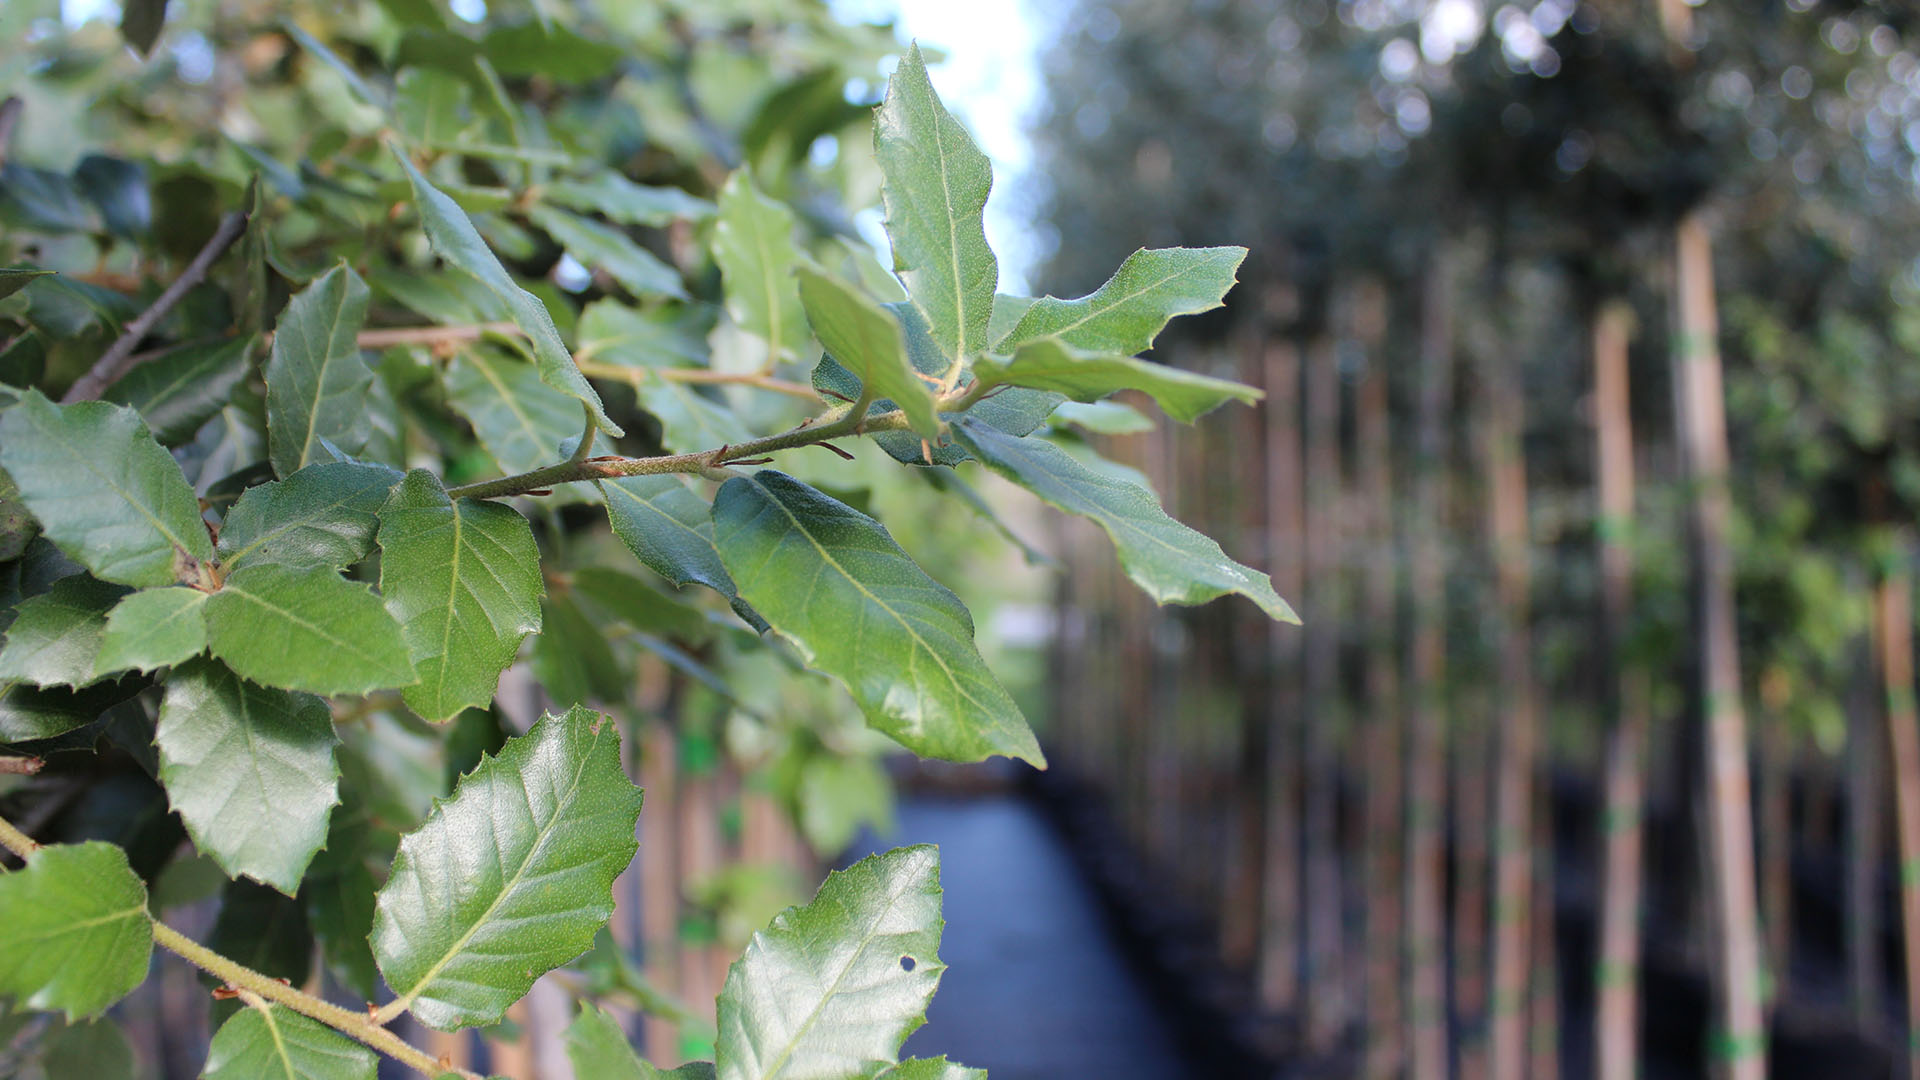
<point>1279,967</point>
<point>1326,1004</point>
<point>1895,610</point>
<point>1738,978</point>
<point>1616,1012</point>
<point>1426,719</point>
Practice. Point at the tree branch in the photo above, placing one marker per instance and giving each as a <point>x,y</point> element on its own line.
<point>119,358</point>
<point>246,980</point>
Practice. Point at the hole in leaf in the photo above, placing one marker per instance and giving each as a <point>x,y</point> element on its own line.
<point>906,963</point>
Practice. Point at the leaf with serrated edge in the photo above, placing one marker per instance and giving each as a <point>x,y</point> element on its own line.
<point>605,247</point>
<point>832,581</point>
<point>1124,315</point>
<point>317,385</point>
<point>670,530</point>
<point>935,190</point>
<point>1174,564</point>
<point>77,932</point>
<point>511,875</point>
<point>182,389</point>
<point>322,515</point>
<point>250,770</point>
<point>1050,364</point>
<point>930,1069</point>
<point>869,342</point>
<point>454,238</point>
<point>599,1050</point>
<point>280,1043</point>
<point>826,990</point>
<point>520,420</point>
<point>306,628</point>
<point>153,628</point>
<point>105,493</point>
<point>463,579</point>
<point>753,245</point>
<point>54,639</point>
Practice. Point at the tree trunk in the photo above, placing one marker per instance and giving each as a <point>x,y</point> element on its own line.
<point>1617,974</point>
<point>1865,769</point>
<point>1543,998</point>
<point>1279,967</point>
<point>1505,462</point>
<point>1426,697</point>
<point>1472,737</point>
<point>1702,419</point>
<point>1895,611</point>
<point>1385,810</point>
<point>1776,849</point>
<point>1327,1006</point>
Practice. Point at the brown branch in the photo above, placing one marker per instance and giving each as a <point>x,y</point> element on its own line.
<point>21,766</point>
<point>430,335</point>
<point>119,358</point>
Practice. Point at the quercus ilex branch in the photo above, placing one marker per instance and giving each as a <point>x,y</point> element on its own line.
<point>246,981</point>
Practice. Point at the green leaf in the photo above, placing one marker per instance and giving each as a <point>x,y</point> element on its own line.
<point>277,1042</point>
<point>833,986</point>
<point>1050,364</point>
<point>690,420</point>
<point>306,628</point>
<point>869,342</point>
<point>119,189</point>
<point>453,236</point>
<point>753,244</point>
<point>323,515</point>
<point>154,628</point>
<point>97,1050</point>
<point>250,770</point>
<point>664,336</point>
<point>936,185</point>
<point>178,392</point>
<point>511,875</point>
<point>28,713</point>
<point>104,491</point>
<point>670,530</point>
<point>1124,315</point>
<point>541,48</point>
<point>1103,417</point>
<point>463,579</point>
<point>78,936</point>
<point>605,247</point>
<point>930,1069</point>
<point>55,637</point>
<point>623,597</point>
<point>141,22</point>
<point>520,420</point>
<point>430,104</point>
<point>317,384</point>
<point>15,278</point>
<point>338,893</point>
<point>620,199</point>
<point>263,929</point>
<point>340,67</point>
<point>1174,564</point>
<point>833,581</point>
<point>599,1050</point>
<point>572,659</point>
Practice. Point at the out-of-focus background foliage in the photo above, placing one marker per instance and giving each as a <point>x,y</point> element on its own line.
<point>1466,220</point>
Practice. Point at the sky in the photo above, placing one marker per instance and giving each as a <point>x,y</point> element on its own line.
<point>990,79</point>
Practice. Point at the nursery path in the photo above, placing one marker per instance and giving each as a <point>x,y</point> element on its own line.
<point>1035,988</point>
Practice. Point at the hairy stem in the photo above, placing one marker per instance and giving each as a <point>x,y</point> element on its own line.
<point>697,375</point>
<point>119,358</point>
<point>248,981</point>
<point>565,472</point>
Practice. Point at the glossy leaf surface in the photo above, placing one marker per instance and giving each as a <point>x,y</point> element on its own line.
<point>1124,315</point>
<point>77,931</point>
<point>1050,364</point>
<point>317,384</point>
<point>306,628</point>
<point>153,628</point>
<point>278,1043</point>
<point>323,515</point>
<point>511,875</point>
<point>670,530</point>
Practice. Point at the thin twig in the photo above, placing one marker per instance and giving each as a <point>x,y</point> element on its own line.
<point>21,766</point>
<point>16,841</point>
<point>430,335</point>
<point>636,376</point>
<point>119,358</point>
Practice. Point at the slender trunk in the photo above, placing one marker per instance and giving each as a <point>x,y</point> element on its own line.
<point>1514,780</point>
<point>1426,698</point>
<point>1543,998</point>
<point>1279,967</point>
<point>1776,850</point>
<point>659,880</point>
<point>1327,1007</point>
<point>1384,747</point>
<point>1895,610</point>
<point>1865,769</point>
<point>1239,909</point>
<point>1616,1012</point>
<point>1738,976</point>
<point>1472,743</point>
